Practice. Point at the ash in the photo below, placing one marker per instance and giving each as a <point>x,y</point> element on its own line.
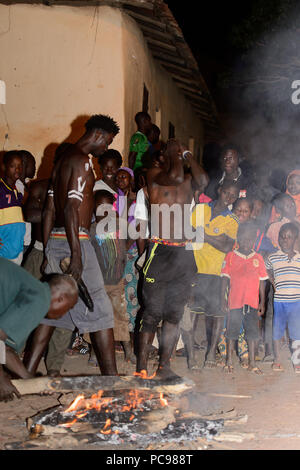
<point>181,430</point>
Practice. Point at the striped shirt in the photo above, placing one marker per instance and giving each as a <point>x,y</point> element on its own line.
<point>286,276</point>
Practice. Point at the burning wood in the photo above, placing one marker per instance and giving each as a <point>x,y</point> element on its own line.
<point>136,416</point>
<point>100,382</point>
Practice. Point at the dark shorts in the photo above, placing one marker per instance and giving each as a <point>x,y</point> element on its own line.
<point>286,314</point>
<point>206,295</point>
<point>243,317</point>
<point>168,272</point>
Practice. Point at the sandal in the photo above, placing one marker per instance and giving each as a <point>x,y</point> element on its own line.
<point>277,367</point>
<point>79,346</point>
<point>228,369</point>
<point>244,365</point>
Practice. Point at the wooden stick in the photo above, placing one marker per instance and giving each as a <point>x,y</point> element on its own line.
<point>224,395</point>
<point>93,383</point>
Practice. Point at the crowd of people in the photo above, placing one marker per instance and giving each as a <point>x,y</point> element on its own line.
<point>90,266</point>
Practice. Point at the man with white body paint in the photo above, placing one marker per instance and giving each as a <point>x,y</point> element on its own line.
<point>66,223</point>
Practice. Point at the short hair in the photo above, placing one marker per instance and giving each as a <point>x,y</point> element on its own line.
<point>230,184</point>
<point>230,146</point>
<point>141,115</point>
<point>279,200</point>
<point>289,226</point>
<point>105,123</point>
<point>102,193</point>
<point>64,282</point>
<point>111,154</point>
<point>243,199</point>
<point>26,156</point>
<point>8,156</point>
<point>246,227</point>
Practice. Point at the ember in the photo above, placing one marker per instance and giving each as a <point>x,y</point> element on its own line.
<point>134,416</point>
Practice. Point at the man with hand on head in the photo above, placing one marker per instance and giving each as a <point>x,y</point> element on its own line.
<point>24,302</point>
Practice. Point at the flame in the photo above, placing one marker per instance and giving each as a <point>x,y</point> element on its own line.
<point>107,425</point>
<point>163,401</point>
<point>135,399</point>
<point>74,405</point>
<point>144,375</point>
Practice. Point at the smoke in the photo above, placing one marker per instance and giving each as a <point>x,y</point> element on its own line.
<point>265,99</point>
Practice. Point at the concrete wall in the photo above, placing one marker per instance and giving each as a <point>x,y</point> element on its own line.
<point>62,64</point>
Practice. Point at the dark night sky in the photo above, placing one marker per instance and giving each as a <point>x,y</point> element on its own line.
<point>261,118</point>
<point>206,30</point>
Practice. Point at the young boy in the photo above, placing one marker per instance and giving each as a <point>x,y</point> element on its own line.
<point>220,229</point>
<point>243,273</point>
<point>284,271</point>
<point>111,251</point>
<point>12,225</point>
<point>293,189</point>
<point>286,209</point>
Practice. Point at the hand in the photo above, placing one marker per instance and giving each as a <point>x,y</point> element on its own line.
<point>261,310</point>
<point>75,268</point>
<point>43,265</point>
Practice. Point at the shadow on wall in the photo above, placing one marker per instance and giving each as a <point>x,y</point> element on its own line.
<point>77,130</point>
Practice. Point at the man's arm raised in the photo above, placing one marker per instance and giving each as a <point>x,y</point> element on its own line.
<point>198,174</point>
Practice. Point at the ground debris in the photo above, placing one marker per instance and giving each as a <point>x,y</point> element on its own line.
<point>233,437</point>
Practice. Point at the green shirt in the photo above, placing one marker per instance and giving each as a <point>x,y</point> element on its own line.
<point>139,144</point>
<point>24,302</point>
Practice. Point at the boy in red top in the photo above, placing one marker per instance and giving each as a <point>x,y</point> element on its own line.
<point>243,274</point>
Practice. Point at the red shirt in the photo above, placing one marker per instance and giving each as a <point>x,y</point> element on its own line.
<point>245,274</point>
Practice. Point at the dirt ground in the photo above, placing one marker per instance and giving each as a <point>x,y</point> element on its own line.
<point>271,403</point>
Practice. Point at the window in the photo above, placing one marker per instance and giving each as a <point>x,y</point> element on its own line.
<point>145,99</point>
<point>171,131</point>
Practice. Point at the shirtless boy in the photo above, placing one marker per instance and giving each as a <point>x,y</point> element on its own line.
<point>67,220</point>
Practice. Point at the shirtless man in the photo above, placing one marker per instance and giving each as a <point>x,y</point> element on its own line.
<point>66,224</point>
<point>169,266</point>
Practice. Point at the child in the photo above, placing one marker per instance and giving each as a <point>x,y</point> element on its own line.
<point>125,183</point>
<point>243,209</point>
<point>286,210</point>
<point>109,163</point>
<point>12,225</point>
<point>220,229</point>
<point>110,251</point>
<point>293,189</point>
<point>244,274</point>
<point>283,269</point>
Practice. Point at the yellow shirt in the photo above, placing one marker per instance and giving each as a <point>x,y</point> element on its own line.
<point>208,259</point>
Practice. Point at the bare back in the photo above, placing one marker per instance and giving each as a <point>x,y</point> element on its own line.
<point>73,179</point>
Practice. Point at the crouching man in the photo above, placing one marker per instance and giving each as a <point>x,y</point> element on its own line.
<point>24,302</point>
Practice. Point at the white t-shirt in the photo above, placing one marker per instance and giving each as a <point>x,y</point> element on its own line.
<point>141,209</point>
